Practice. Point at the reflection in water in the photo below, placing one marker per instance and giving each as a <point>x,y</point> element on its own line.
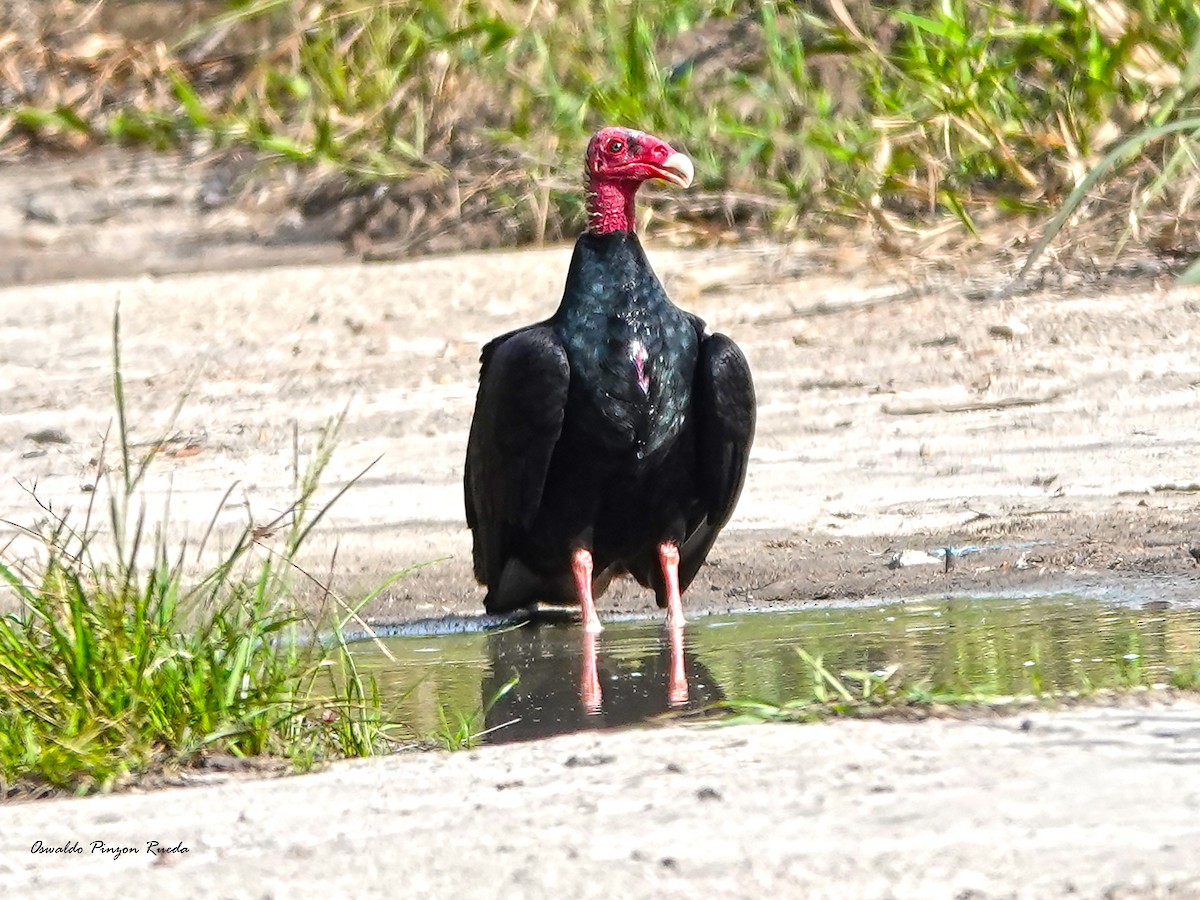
<point>572,681</point>
<point>635,670</point>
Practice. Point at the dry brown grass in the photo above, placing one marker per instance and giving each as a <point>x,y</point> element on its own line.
<point>433,125</point>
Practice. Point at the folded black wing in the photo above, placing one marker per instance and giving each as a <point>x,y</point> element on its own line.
<point>523,385</point>
<point>725,414</point>
<point>723,408</point>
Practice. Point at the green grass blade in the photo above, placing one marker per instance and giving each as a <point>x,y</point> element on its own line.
<point>17,583</point>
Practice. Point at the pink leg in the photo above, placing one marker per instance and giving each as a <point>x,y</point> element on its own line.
<point>581,567</point>
<point>668,558</point>
<point>677,688</point>
<point>589,678</point>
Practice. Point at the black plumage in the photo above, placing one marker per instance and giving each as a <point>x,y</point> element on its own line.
<point>614,426</point>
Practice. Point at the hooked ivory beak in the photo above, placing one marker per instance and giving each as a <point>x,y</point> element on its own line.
<point>678,169</point>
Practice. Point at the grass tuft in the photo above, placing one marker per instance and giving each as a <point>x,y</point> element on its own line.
<point>464,732</point>
<point>118,663</point>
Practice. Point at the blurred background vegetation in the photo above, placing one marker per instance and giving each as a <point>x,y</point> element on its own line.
<point>920,117</point>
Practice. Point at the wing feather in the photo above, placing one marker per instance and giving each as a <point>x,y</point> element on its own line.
<point>723,407</point>
<point>523,384</point>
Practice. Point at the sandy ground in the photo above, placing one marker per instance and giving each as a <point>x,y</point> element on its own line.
<point>1049,433</point>
<point>1087,803</point>
<point>1049,439</point>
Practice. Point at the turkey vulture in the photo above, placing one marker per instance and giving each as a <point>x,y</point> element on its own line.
<point>613,436</point>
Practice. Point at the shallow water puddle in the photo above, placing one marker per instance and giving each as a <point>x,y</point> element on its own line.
<point>634,670</point>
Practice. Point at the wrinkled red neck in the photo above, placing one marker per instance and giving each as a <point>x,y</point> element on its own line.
<point>610,205</point>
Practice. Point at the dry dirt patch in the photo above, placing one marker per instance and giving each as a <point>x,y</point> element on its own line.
<point>1051,433</point>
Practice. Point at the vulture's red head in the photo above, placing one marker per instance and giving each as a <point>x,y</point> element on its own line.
<point>618,160</point>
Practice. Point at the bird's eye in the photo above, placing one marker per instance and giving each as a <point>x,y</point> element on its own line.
<point>615,146</point>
